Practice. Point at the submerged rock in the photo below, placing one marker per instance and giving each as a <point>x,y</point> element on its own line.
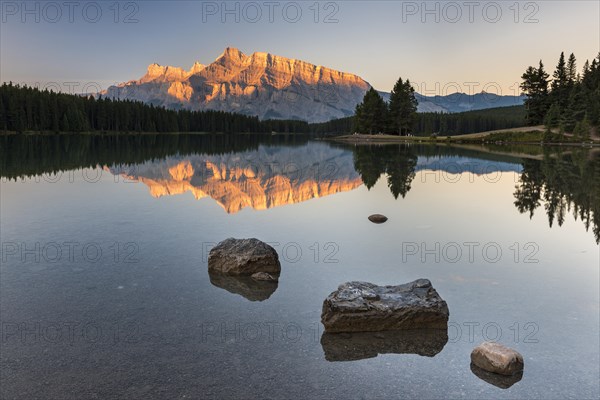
<point>360,345</point>
<point>377,218</point>
<point>263,276</point>
<point>243,257</point>
<point>497,358</point>
<point>365,307</point>
<point>244,286</point>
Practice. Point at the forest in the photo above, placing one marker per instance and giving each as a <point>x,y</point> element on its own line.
<point>443,124</point>
<point>26,109</point>
<point>569,102</point>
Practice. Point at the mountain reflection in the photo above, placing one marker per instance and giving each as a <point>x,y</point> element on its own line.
<point>265,171</point>
<point>260,179</point>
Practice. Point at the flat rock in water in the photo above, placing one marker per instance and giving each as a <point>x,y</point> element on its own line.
<point>497,358</point>
<point>377,218</point>
<point>365,307</point>
<point>243,257</point>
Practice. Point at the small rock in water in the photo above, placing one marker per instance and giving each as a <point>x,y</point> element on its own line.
<point>263,276</point>
<point>497,358</point>
<point>243,257</point>
<point>377,218</point>
<point>365,307</point>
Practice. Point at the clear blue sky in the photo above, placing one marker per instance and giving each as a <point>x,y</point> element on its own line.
<point>380,41</point>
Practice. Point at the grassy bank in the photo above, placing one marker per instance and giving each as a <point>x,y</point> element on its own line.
<point>534,135</point>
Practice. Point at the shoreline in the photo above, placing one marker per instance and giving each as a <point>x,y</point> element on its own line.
<point>362,139</point>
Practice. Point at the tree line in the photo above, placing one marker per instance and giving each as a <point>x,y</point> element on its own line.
<point>443,124</point>
<point>570,101</point>
<point>24,108</point>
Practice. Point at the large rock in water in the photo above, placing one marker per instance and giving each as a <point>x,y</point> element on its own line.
<point>497,358</point>
<point>243,257</point>
<point>365,307</point>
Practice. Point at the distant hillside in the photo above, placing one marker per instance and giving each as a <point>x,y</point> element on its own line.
<point>470,121</point>
<point>444,123</point>
<point>462,102</point>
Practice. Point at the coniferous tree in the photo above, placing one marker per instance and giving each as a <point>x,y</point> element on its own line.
<point>402,107</point>
<point>3,125</point>
<point>535,86</point>
<point>371,114</point>
<point>552,119</point>
<point>572,69</point>
<point>561,85</point>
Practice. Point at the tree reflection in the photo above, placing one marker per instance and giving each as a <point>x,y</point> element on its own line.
<point>398,162</point>
<point>562,180</point>
<point>566,182</point>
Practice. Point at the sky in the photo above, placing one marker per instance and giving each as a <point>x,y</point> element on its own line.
<point>442,47</point>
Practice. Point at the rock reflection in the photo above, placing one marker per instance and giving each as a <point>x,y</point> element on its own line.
<point>245,286</point>
<point>362,345</point>
<point>501,381</point>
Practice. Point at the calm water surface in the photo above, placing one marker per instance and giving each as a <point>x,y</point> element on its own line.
<point>105,291</point>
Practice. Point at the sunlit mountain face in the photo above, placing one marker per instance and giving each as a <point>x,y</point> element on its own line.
<point>261,179</point>
<point>261,84</point>
<point>274,87</point>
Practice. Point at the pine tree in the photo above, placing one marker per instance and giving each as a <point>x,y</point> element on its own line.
<point>2,115</point>
<point>561,84</point>
<point>371,114</point>
<point>65,126</point>
<point>402,107</point>
<point>535,86</point>
<point>552,119</point>
<point>582,130</point>
<point>572,69</point>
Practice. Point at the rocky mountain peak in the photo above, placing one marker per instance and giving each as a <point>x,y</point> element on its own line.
<point>196,68</point>
<point>232,55</point>
<point>164,73</point>
<point>271,86</point>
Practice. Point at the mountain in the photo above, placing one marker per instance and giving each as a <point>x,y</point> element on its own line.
<point>273,87</point>
<point>261,84</point>
<point>461,102</point>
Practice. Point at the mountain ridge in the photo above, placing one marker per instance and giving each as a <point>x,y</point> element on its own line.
<point>271,86</point>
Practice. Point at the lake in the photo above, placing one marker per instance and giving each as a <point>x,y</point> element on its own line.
<point>105,291</point>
